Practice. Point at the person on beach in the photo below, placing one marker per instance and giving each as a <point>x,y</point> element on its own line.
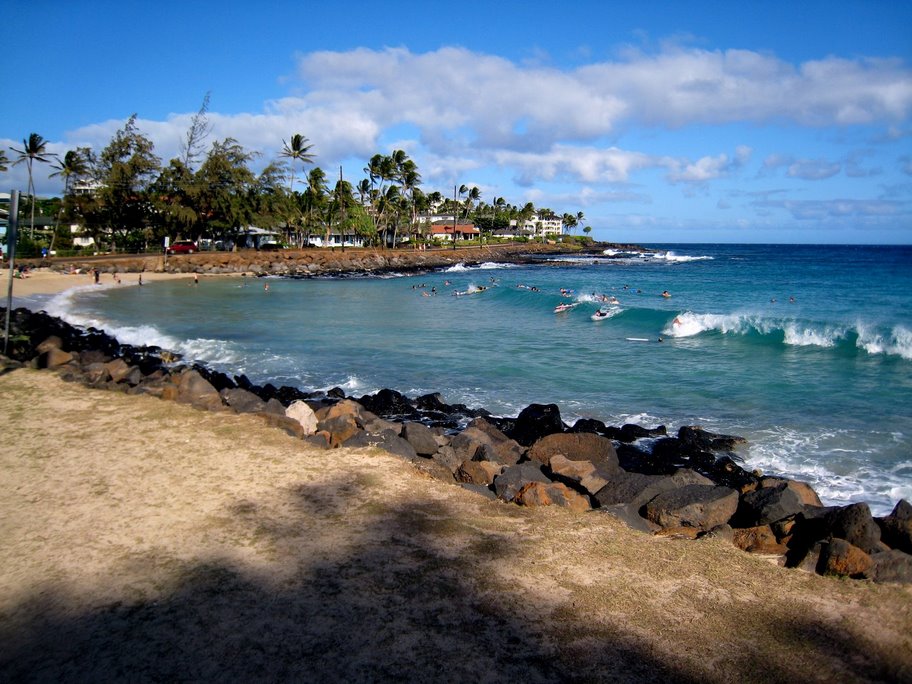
<point>196,279</point>
<point>140,280</point>
<point>96,275</point>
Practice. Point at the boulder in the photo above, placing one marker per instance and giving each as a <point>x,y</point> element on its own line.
<point>631,432</point>
<point>120,371</point>
<point>283,422</point>
<point>50,342</point>
<point>388,404</point>
<point>630,515</point>
<point>854,524</point>
<point>759,539</point>
<point>514,478</point>
<point>54,358</point>
<point>805,492</point>
<point>892,566</point>
<point>536,421</point>
<point>695,505</point>
<point>243,401</point>
<point>495,445</point>
<point>421,438</point>
<point>576,446</point>
<point>637,489</point>
<point>447,456</point>
<point>767,505</point>
<point>341,428</point>
<point>697,438</point>
<point>275,406</point>
<point>301,412</point>
<point>96,373</point>
<point>896,528</point>
<point>478,472</point>
<point>195,390</point>
<point>584,475</point>
<point>839,557</point>
<point>589,425</point>
<point>551,494</point>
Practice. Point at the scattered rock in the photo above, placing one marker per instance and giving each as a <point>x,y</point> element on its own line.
<point>576,446</point>
<point>301,412</point>
<point>839,557</point>
<point>420,437</point>
<point>695,505</point>
<point>551,494</point>
<point>514,478</point>
<point>536,421</point>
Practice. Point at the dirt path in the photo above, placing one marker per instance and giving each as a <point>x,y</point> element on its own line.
<point>143,540</point>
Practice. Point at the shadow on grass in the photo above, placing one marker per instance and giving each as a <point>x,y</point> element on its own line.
<point>403,599</point>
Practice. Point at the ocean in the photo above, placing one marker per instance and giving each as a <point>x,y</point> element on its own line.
<point>805,350</point>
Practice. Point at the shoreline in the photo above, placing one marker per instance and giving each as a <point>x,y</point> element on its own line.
<point>154,520</point>
<point>315,262</point>
<point>242,553</point>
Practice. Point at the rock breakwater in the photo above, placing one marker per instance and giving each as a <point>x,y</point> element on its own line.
<point>687,483</point>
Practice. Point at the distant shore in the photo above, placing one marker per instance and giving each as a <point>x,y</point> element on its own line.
<point>312,262</point>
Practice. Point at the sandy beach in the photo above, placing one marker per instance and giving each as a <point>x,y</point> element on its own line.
<point>144,540</point>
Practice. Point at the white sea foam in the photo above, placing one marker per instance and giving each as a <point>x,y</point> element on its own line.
<point>899,342</point>
<point>837,464</point>
<point>804,336</point>
<point>673,258</point>
<point>688,324</point>
<point>794,333</point>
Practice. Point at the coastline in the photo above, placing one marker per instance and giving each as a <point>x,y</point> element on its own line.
<point>142,536</point>
<point>315,262</point>
<point>237,509</point>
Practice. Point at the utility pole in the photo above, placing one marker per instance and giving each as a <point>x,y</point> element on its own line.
<point>12,234</point>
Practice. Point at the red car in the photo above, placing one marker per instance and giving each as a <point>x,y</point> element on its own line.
<point>183,247</point>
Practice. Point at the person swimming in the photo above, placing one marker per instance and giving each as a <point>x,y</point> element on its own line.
<point>666,294</point>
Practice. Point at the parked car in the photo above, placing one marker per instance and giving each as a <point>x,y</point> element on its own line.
<point>183,247</point>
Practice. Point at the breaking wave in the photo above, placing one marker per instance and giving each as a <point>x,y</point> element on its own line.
<point>895,342</point>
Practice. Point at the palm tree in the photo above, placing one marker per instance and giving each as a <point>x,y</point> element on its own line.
<point>314,199</point>
<point>73,166</point>
<point>33,149</point>
<point>298,149</point>
<point>472,196</point>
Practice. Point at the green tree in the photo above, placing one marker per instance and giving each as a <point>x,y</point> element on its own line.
<point>297,150</point>
<point>34,149</point>
<point>223,186</point>
<point>192,146</point>
<point>174,198</point>
<point>75,165</point>
<point>315,200</point>
<point>126,169</point>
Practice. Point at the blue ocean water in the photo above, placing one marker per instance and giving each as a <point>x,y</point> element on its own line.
<point>804,350</point>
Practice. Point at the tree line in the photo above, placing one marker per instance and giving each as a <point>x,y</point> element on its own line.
<point>124,198</point>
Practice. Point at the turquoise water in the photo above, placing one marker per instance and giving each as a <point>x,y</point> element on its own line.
<point>804,350</point>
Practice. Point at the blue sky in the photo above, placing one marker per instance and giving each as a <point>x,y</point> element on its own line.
<point>661,121</point>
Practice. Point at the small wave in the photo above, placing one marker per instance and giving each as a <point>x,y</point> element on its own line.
<point>899,342</point>
<point>486,266</point>
<point>673,258</point>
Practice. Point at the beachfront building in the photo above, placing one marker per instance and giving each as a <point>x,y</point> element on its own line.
<point>540,226</point>
<point>336,239</point>
<point>443,230</point>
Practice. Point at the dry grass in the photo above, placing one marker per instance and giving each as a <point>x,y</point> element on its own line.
<point>146,540</point>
